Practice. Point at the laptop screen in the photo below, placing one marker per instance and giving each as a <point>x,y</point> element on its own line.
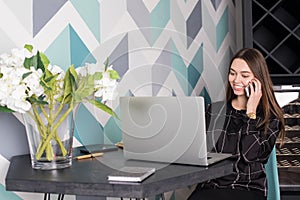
<point>166,129</point>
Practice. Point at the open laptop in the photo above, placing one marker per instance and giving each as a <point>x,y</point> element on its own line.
<point>166,129</point>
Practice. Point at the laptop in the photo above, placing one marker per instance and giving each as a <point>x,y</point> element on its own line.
<point>166,129</point>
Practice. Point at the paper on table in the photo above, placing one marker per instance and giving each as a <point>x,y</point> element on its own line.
<point>131,174</point>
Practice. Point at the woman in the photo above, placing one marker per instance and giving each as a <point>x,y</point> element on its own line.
<point>247,127</point>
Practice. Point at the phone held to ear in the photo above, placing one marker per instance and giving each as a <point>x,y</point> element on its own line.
<point>247,90</point>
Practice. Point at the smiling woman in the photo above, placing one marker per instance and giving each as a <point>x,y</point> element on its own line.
<point>240,76</point>
<point>248,128</point>
<point>242,79</point>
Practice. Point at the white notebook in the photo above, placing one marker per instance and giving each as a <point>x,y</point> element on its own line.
<point>131,174</point>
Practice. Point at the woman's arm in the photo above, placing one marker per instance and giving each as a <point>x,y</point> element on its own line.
<point>256,145</point>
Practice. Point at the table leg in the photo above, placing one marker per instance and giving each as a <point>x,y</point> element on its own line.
<point>47,196</point>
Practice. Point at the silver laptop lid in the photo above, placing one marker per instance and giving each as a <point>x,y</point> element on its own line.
<point>164,129</point>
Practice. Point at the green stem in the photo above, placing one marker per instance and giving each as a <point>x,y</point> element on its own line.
<point>59,142</point>
<point>42,130</point>
<point>52,133</point>
<point>49,149</point>
<point>38,120</point>
<point>58,111</point>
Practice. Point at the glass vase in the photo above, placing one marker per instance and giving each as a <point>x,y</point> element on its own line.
<point>49,130</point>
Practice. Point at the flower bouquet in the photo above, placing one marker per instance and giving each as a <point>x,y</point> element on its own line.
<point>47,96</point>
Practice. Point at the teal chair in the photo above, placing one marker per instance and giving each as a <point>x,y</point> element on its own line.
<point>272,176</point>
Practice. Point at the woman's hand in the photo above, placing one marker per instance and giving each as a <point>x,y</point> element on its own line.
<point>255,95</point>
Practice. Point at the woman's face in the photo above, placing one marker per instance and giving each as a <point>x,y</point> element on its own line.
<point>239,76</point>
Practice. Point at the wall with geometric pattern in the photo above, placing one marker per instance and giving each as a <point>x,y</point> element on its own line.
<point>159,48</point>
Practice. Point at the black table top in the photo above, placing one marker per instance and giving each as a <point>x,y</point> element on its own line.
<point>89,177</point>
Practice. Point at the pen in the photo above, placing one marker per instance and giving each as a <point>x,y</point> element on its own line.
<point>92,155</point>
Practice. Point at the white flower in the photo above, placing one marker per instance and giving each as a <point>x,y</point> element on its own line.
<point>81,71</point>
<point>107,93</point>
<point>33,82</point>
<point>17,100</point>
<point>16,58</point>
<point>13,94</point>
<point>22,85</point>
<point>54,69</point>
<point>15,89</point>
<point>106,87</point>
<point>89,68</point>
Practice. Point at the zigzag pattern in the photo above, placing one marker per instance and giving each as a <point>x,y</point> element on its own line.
<point>159,47</point>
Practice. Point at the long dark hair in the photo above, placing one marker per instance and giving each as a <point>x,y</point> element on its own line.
<point>268,103</point>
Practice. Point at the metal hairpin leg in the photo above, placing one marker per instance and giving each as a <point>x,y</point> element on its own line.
<point>47,196</point>
<point>60,197</point>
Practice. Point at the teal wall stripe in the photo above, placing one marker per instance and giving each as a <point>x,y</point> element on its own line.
<point>79,52</point>
<point>179,69</point>
<point>159,17</point>
<point>222,29</point>
<point>90,13</point>
<point>206,96</point>
<point>6,195</point>
<point>58,51</point>
<point>112,131</point>
<point>195,69</point>
<point>88,129</point>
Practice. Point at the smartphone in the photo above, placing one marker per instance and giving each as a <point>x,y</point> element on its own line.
<point>247,90</point>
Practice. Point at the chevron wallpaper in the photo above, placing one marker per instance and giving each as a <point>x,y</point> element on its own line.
<point>159,47</point>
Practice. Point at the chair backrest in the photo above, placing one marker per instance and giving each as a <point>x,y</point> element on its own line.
<point>272,177</point>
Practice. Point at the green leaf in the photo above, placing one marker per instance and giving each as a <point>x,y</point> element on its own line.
<point>39,61</point>
<point>85,88</point>
<point>28,47</point>
<point>97,75</point>
<point>103,107</point>
<point>44,59</point>
<point>45,86</point>
<point>48,81</point>
<point>114,74</point>
<point>25,75</point>
<point>38,100</point>
<point>69,85</point>
<point>74,75</point>
<point>106,64</point>
<point>50,78</point>
<point>41,97</point>
<point>28,62</point>
<point>65,99</point>
<point>5,109</point>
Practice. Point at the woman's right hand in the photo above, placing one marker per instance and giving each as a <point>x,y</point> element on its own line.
<point>255,95</point>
